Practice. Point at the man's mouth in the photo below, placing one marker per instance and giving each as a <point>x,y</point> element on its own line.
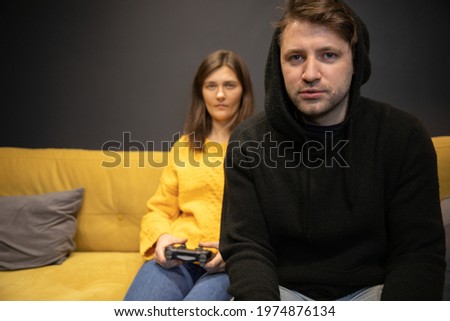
<point>311,94</point>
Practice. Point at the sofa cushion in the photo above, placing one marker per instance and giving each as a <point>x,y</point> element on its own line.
<point>445,205</point>
<point>95,276</point>
<point>442,146</point>
<point>38,230</point>
<point>117,187</point>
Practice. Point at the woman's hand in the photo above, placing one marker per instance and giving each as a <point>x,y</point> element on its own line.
<point>216,264</point>
<point>164,241</point>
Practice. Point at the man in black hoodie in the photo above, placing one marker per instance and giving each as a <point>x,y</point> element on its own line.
<point>329,195</point>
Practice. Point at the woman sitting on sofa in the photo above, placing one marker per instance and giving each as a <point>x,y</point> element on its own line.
<point>186,208</point>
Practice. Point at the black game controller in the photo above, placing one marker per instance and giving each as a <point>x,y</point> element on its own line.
<point>198,255</point>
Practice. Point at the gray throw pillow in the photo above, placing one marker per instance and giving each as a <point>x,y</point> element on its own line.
<point>445,206</point>
<point>38,230</point>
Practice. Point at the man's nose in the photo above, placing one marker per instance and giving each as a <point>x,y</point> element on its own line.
<point>311,70</point>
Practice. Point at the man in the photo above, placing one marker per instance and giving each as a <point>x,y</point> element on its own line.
<point>329,195</point>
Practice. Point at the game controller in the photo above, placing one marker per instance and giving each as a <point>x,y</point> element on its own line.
<point>198,255</point>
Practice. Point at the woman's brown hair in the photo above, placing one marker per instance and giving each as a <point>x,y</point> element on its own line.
<point>198,123</point>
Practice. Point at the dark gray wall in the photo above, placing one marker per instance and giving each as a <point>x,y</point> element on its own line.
<point>78,74</point>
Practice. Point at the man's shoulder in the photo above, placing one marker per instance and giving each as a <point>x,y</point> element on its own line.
<point>392,125</point>
<point>382,113</point>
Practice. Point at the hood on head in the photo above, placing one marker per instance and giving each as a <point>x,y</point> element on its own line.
<point>279,107</point>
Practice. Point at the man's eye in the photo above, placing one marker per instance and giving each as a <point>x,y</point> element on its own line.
<point>330,55</point>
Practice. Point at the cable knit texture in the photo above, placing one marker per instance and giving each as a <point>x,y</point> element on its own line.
<point>188,201</point>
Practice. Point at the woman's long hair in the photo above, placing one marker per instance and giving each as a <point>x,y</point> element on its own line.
<point>199,123</point>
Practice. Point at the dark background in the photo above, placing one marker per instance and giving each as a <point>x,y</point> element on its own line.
<point>79,74</point>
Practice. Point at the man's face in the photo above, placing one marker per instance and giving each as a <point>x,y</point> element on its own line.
<point>317,69</point>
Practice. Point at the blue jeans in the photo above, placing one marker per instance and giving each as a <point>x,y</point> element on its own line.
<point>188,282</point>
<point>366,294</point>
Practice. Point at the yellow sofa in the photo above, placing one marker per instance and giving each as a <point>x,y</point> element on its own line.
<point>442,146</point>
<point>117,186</point>
<point>107,238</point>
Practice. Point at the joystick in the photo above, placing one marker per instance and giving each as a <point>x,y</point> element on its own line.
<point>198,255</point>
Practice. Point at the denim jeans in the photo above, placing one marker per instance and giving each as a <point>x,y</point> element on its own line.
<point>188,282</point>
<point>366,294</point>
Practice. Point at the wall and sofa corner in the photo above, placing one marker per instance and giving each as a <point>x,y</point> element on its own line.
<point>106,192</point>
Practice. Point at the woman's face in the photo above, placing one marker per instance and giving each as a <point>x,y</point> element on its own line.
<point>222,94</point>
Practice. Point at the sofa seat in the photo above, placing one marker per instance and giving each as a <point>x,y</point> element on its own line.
<point>83,276</point>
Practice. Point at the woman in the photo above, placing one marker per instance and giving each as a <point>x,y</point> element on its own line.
<point>186,207</point>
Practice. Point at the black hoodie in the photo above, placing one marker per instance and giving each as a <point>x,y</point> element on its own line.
<point>361,211</point>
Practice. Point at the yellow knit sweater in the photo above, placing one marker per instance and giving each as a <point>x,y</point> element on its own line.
<point>188,200</point>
